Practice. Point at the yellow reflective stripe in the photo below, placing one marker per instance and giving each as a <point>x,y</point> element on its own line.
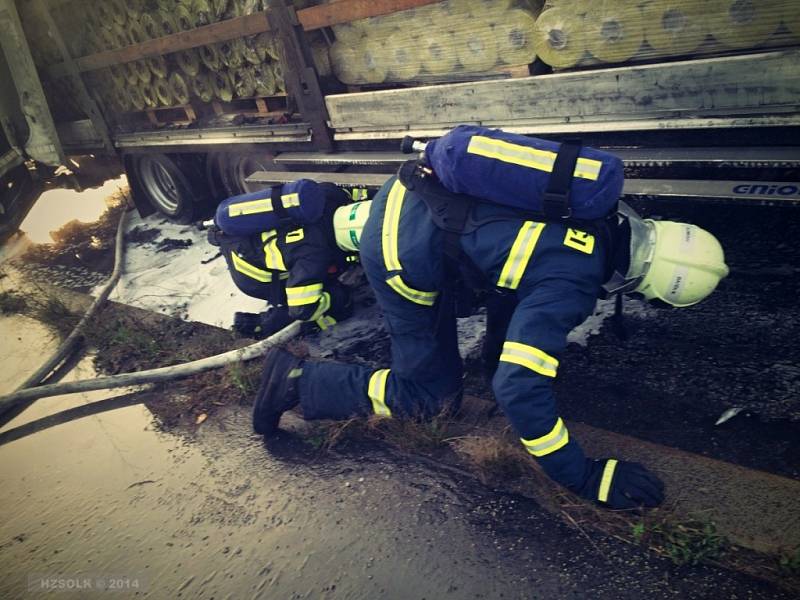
<point>290,200</point>
<point>377,392</point>
<point>303,294</point>
<point>265,235</point>
<point>245,268</point>
<point>251,207</point>
<point>420,297</point>
<point>579,240</point>
<point>294,236</point>
<point>541,160</point>
<point>273,256</point>
<point>529,357</point>
<point>547,444</point>
<point>520,255</point>
<point>325,321</point>
<point>391,226</point>
<point>605,482</point>
<point>284,275</point>
<point>324,305</point>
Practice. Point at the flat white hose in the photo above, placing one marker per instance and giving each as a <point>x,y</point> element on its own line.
<point>153,375</point>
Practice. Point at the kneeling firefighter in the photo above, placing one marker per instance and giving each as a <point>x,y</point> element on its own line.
<point>280,247</point>
<point>545,243</point>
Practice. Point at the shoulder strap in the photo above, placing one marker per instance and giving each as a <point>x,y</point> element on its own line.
<point>555,202</point>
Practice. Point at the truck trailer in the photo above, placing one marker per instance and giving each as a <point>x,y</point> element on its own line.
<point>197,100</point>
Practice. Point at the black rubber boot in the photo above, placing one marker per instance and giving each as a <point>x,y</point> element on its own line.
<point>278,391</point>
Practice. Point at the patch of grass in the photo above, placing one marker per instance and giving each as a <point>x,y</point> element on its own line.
<point>52,310</point>
<point>408,435</point>
<point>689,542</point>
<point>494,458</point>
<point>11,303</point>
<point>244,377</point>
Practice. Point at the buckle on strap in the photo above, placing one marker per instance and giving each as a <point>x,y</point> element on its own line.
<point>556,205</point>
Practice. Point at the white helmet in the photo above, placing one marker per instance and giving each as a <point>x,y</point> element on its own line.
<point>348,221</point>
<point>677,263</point>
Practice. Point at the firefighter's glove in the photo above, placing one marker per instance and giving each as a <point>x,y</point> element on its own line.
<point>621,485</point>
<point>261,325</point>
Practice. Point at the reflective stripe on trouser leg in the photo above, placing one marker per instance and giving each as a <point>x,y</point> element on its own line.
<point>529,357</point>
<point>605,481</point>
<point>303,294</point>
<point>417,296</point>
<point>245,268</point>
<point>557,438</point>
<point>377,392</point>
<point>273,257</point>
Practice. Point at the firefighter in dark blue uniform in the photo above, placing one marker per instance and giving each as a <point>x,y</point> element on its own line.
<point>553,275</point>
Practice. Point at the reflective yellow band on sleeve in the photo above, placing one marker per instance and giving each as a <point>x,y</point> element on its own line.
<point>547,444</point>
<point>289,200</point>
<point>579,240</point>
<point>417,296</point>
<point>324,305</point>
<point>251,207</point>
<point>605,481</point>
<point>245,268</point>
<point>541,160</point>
<point>273,257</point>
<point>391,226</point>
<point>304,294</point>
<point>519,255</point>
<point>377,392</point>
<point>529,357</point>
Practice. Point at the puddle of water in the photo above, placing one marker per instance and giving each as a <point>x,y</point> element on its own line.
<point>55,208</point>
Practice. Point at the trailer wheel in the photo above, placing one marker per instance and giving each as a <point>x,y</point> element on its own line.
<point>172,185</point>
<point>227,172</point>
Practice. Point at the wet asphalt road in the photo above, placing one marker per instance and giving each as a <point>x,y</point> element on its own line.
<point>219,514</point>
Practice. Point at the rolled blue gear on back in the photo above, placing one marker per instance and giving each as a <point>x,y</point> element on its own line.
<point>514,170</point>
<point>302,201</point>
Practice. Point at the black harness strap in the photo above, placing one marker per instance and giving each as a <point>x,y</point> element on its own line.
<point>555,202</point>
<point>278,208</point>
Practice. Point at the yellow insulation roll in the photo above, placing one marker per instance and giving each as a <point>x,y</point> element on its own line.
<point>118,12</point>
<point>790,15</point>
<point>265,80</point>
<point>744,23</point>
<point>375,61</point>
<point>136,97</point>
<point>614,31</point>
<point>346,61</point>
<point>167,23</point>
<point>211,57</point>
<point>244,84</point>
<point>349,33</point>
<point>232,53</point>
<point>188,61</point>
<point>131,76</point>
<point>152,29</point>
<point>157,65</point>
<point>277,72</point>
<point>163,92</point>
<point>403,56</point>
<point>559,38</point>
<point>179,89</point>
<point>221,84</point>
<point>438,53</point>
<point>203,12</point>
<point>121,99</point>
<point>487,9</point>
<point>251,52</point>
<point>476,47</point>
<point>515,37</point>
<point>369,63</point>
<point>149,95</point>
<point>220,8</point>
<point>117,75</point>
<point>183,18</point>
<point>201,87</point>
<point>136,32</point>
<point>142,71</point>
<point>674,27</point>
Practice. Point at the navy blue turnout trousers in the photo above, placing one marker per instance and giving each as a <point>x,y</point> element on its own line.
<point>553,275</point>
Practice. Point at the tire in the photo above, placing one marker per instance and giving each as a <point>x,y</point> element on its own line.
<point>172,184</point>
<point>227,172</point>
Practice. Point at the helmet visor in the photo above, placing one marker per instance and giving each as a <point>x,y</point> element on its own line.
<point>642,249</point>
